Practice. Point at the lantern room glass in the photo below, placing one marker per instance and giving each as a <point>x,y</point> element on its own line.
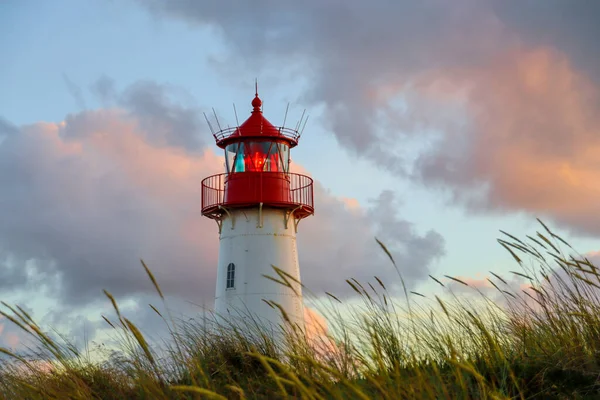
<point>257,156</point>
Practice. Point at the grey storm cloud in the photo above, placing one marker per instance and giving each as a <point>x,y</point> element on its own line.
<point>83,200</point>
<point>442,92</point>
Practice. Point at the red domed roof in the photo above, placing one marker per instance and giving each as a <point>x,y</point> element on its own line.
<point>256,126</point>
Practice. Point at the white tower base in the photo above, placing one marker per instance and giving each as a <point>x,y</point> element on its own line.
<point>251,241</point>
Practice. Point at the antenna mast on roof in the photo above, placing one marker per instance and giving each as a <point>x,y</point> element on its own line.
<point>237,122</point>
<point>236,117</point>
<point>303,126</point>
<point>300,122</point>
<point>286,112</point>
<point>217,119</point>
<point>209,125</point>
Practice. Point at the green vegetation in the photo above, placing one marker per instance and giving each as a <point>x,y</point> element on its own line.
<point>540,340</point>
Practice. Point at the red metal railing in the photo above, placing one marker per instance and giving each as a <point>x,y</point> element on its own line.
<point>253,188</point>
<point>285,132</point>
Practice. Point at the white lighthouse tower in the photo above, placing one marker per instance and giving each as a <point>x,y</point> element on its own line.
<point>258,204</point>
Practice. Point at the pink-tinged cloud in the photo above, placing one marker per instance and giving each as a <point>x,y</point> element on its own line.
<point>88,197</point>
<point>481,284</point>
<point>318,335</point>
<point>594,256</point>
<point>9,334</point>
<point>556,285</point>
<point>316,324</point>
<point>531,139</point>
<point>485,286</point>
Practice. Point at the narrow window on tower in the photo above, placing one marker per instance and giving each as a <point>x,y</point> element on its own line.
<point>230,276</point>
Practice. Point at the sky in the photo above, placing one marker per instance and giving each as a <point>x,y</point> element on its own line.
<point>432,126</point>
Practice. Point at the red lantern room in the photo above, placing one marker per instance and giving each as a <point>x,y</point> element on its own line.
<point>257,160</point>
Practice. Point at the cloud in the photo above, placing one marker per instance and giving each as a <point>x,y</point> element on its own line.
<point>316,324</point>
<point>9,336</point>
<point>481,284</point>
<point>497,102</point>
<point>349,50</point>
<point>531,143</point>
<point>593,256</point>
<point>558,284</point>
<point>570,27</point>
<point>318,334</point>
<point>85,198</point>
<point>6,128</point>
<point>74,91</point>
<point>104,89</point>
<point>168,122</point>
<point>338,243</point>
<point>88,197</point>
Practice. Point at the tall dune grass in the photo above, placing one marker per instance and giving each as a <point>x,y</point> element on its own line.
<point>539,338</point>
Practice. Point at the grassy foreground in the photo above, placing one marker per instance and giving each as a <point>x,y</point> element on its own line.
<point>535,334</point>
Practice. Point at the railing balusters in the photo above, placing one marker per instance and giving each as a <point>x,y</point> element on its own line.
<point>300,192</point>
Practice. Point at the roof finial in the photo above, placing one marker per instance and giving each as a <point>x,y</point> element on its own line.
<point>257,102</point>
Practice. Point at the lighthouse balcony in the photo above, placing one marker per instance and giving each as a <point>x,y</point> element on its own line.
<point>251,189</point>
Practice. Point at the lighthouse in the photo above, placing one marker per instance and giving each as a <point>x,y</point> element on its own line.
<point>257,204</point>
